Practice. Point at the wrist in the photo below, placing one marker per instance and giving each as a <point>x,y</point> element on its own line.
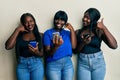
<point>103,28</point>
<point>55,47</point>
<point>17,30</point>
<point>37,52</point>
<point>71,29</point>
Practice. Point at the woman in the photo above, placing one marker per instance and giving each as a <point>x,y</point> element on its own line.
<point>27,42</point>
<point>91,64</point>
<point>58,48</point>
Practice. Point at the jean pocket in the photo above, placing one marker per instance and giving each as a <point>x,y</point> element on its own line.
<point>100,60</point>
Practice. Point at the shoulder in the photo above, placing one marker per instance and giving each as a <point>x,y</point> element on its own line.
<point>77,31</point>
<point>65,32</point>
<point>48,31</point>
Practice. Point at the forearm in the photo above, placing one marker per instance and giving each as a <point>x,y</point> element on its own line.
<point>73,38</point>
<point>111,41</point>
<point>39,53</point>
<point>10,43</point>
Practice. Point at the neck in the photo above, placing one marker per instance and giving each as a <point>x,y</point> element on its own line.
<point>58,29</point>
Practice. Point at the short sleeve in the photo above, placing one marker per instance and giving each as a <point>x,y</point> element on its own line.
<point>46,38</point>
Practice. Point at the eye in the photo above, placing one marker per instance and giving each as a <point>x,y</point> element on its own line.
<point>31,21</point>
<point>26,23</point>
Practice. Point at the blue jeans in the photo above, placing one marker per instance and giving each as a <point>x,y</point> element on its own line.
<point>91,66</point>
<point>61,69</point>
<point>30,68</point>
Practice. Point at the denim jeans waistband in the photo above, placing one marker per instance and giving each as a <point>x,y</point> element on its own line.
<point>91,55</point>
<point>33,58</point>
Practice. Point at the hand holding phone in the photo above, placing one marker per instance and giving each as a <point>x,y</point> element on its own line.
<point>33,43</point>
<point>86,35</point>
<point>56,34</point>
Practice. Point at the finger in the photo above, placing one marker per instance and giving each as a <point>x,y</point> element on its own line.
<point>61,40</point>
<point>102,20</point>
<point>66,24</point>
<point>82,36</point>
<point>53,40</point>
<point>56,39</point>
<point>31,48</point>
<point>37,44</point>
<point>25,30</point>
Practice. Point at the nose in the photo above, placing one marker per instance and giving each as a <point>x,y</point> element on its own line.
<point>29,23</point>
<point>59,21</point>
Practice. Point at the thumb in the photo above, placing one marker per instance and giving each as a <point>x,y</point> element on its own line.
<point>102,20</point>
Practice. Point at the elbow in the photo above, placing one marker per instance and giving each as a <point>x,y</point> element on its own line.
<point>8,47</point>
<point>74,46</point>
<point>114,46</point>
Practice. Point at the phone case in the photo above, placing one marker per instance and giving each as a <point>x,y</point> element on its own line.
<point>33,43</point>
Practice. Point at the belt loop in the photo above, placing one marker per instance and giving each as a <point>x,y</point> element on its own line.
<point>87,56</point>
<point>94,55</point>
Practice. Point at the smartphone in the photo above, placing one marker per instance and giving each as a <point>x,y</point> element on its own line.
<point>56,34</point>
<point>33,43</point>
<point>86,36</point>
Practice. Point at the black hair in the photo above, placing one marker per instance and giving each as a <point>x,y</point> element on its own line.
<point>94,14</point>
<point>35,30</point>
<point>94,17</point>
<point>61,15</point>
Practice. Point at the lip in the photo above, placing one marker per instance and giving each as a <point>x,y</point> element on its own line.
<point>59,25</point>
<point>30,27</point>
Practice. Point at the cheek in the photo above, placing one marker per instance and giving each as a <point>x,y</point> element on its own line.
<point>26,24</point>
<point>88,20</point>
<point>63,22</point>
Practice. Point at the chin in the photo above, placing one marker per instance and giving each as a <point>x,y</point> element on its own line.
<point>85,25</point>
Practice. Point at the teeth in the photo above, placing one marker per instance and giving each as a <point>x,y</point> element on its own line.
<point>30,27</point>
<point>58,25</point>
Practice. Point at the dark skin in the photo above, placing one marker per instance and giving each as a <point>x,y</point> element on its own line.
<point>58,41</point>
<point>28,35</point>
<point>103,32</point>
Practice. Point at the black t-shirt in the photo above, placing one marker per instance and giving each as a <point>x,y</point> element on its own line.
<point>22,47</point>
<point>93,46</point>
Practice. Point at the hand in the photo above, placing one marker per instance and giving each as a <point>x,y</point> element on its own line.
<point>21,28</point>
<point>86,40</point>
<point>57,41</point>
<point>86,37</point>
<point>69,26</point>
<point>33,49</point>
<point>101,24</point>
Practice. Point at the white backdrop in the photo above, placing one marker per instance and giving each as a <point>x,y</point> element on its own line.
<point>43,11</point>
